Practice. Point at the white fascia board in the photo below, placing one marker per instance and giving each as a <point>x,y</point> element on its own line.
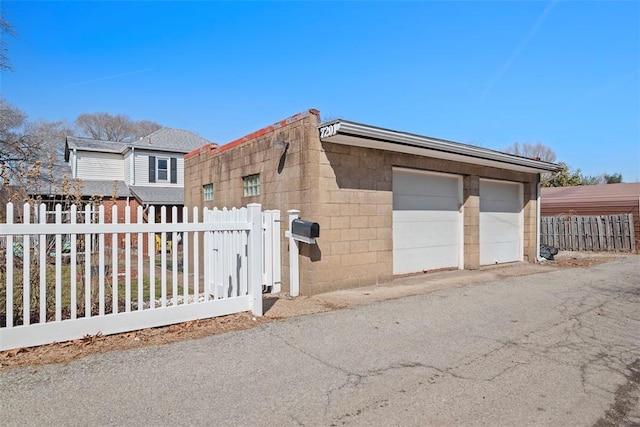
<point>102,150</point>
<point>359,135</point>
<point>152,149</point>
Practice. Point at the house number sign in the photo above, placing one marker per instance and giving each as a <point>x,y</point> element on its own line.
<point>330,130</point>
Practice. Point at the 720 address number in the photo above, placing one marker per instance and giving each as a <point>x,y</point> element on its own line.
<point>330,130</point>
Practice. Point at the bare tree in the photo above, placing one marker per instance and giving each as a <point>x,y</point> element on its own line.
<point>19,153</point>
<point>16,145</point>
<point>24,141</point>
<point>104,126</point>
<point>143,128</point>
<point>50,136</point>
<point>5,30</point>
<point>118,128</point>
<point>533,151</point>
<point>31,153</point>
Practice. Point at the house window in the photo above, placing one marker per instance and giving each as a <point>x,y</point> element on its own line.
<point>207,190</point>
<point>162,169</point>
<point>251,185</point>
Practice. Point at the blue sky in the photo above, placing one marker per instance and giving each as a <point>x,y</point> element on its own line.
<point>565,73</point>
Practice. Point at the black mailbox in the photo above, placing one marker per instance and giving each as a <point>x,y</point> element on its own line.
<point>306,229</point>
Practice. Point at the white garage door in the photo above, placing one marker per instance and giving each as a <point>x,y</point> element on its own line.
<point>501,222</point>
<point>427,221</point>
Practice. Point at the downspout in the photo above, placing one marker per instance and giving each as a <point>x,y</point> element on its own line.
<point>133,166</point>
<point>74,170</point>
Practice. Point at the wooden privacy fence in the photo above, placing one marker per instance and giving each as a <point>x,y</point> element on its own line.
<point>63,280</point>
<point>589,233</point>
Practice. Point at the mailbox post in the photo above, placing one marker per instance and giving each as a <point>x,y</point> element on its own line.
<point>294,250</point>
<point>299,231</point>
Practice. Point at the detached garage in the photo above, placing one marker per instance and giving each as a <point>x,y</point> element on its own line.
<point>389,203</point>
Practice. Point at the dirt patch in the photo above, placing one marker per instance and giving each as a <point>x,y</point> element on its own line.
<point>276,308</point>
<point>579,262</point>
<point>72,350</point>
<point>581,259</point>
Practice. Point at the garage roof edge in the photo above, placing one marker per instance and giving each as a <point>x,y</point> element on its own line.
<point>330,130</point>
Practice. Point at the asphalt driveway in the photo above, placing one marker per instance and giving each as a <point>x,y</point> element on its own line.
<point>554,348</point>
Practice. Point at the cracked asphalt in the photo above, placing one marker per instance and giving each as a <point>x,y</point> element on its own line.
<point>555,348</point>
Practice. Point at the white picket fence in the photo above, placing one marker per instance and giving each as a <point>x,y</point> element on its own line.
<point>64,280</point>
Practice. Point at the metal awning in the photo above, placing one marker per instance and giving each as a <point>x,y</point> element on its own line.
<point>360,135</point>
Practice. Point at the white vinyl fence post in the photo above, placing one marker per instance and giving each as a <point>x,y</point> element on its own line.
<point>9,260</point>
<point>26,260</point>
<point>294,250</point>
<point>255,257</point>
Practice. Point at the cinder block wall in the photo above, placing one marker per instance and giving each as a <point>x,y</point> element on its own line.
<point>287,180</point>
<point>354,207</point>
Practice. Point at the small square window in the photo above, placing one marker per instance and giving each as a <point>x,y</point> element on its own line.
<point>207,191</point>
<point>251,185</point>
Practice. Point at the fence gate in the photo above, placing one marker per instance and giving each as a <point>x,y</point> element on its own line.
<point>271,262</point>
<point>225,260</point>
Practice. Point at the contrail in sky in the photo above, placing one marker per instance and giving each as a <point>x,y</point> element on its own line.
<point>532,32</point>
<point>115,76</point>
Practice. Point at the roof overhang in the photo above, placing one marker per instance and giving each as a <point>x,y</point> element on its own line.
<point>158,195</point>
<point>141,147</point>
<point>360,135</point>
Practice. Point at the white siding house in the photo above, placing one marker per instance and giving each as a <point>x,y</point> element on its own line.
<point>150,169</point>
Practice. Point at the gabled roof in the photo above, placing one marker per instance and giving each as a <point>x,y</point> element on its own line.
<point>158,195</point>
<point>89,144</point>
<point>165,139</point>
<point>168,139</point>
<point>361,135</point>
